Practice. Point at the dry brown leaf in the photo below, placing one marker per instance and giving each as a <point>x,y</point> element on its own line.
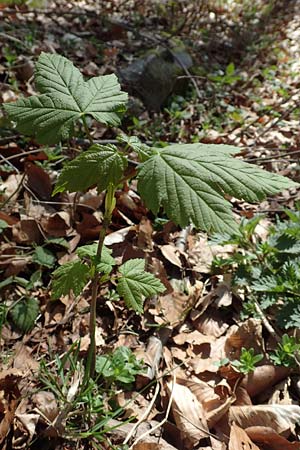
<point>188,414</point>
<point>248,335</point>
<point>38,181</point>
<point>211,323</point>
<point>195,337</point>
<point>144,235</point>
<point>27,231</point>
<point>281,418</point>
<point>46,405</point>
<point>23,359</point>
<point>151,357</point>
<point>24,429</point>
<point>215,400</point>
<point>57,224</point>
<point>171,253</point>
<point>173,308</point>
<point>263,377</point>
<point>266,435</point>
<point>239,440</point>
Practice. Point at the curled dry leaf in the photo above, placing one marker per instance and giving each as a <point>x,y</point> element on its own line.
<point>9,399</point>
<point>173,308</point>
<point>24,429</point>
<point>171,253</point>
<point>57,224</point>
<point>211,323</point>
<point>38,181</point>
<point>267,436</point>
<point>188,414</point>
<point>151,358</point>
<point>248,335</point>
<point>263,377</point>
<point>46,405</point>
<point>215,400</point>
<point>239,440</point>
<point>281,418</point>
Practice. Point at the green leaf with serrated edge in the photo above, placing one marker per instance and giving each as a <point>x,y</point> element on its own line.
<point>100,165</point>
<point>134,283</point>
<point>70,276</point>
<point>24,313</point>
<point>65,99</point>
<point>144,151</point>
<point>107,261</point>
<point>190,180</point>
<point>43,257</point>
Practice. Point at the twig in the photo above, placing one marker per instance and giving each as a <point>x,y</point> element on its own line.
<point>15,191</point>
<point>160,424</point>
<point>265,321</point>
<point>144,416</point>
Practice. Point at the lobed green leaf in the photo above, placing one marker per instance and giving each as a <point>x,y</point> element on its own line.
<point>71,276</point>
<point>107,261</point>
<point>190,182</point>
<point>100,165</point>
<point>65,99</point>
<point>134,284</point>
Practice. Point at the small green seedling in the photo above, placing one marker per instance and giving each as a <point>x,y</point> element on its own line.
<point>248,360</point>
<point>119,367</point>
<point>287,351</point>
<point>189,181</point>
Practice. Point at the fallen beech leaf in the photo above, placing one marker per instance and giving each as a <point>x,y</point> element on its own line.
<point>211,323</point>
<point>24,429</point>
<point>46,404</point>
<point>144,235</point>
<point>38,181</point>
<point>239,440</point>
<point>248,335</point>
<point>264,377</point>
<point>215,400</point>
<point>266,435</point>
<point>57,224</point>
<point>188,414</point>
<point>173,308</point>
<point>281,418</point>
<point>170,252</point>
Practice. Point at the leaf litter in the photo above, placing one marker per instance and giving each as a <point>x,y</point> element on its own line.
<point>197,323</point>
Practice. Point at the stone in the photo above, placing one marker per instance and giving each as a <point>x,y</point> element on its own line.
<point>154,77</point>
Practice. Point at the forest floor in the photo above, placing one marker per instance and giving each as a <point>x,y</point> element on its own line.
<point>221,346</point>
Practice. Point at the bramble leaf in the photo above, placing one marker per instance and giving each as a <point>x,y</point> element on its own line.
<point>143,150</point>
<point>189,181</point>
<point>24,313</point>
<point>70,276</point>
<point>134,283</point>
<point>65,99</point>
<point>107,261</point>
<point>100,165</point>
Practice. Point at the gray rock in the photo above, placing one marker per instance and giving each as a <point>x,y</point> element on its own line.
<point>154,77</point>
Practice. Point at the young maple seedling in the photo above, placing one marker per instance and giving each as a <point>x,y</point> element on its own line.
<point>188,180</point>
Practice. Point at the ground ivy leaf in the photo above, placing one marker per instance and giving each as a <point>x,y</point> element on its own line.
<point>100,165</point>
<point>134,284</point>
<point>24,313</point>
<point>107,261</point>
<point>65,99</point>
<point>70,276</point>
<point>190,181</point>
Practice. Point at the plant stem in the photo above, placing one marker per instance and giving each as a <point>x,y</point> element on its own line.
<point>87,130</point>
<point>110,203</point>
